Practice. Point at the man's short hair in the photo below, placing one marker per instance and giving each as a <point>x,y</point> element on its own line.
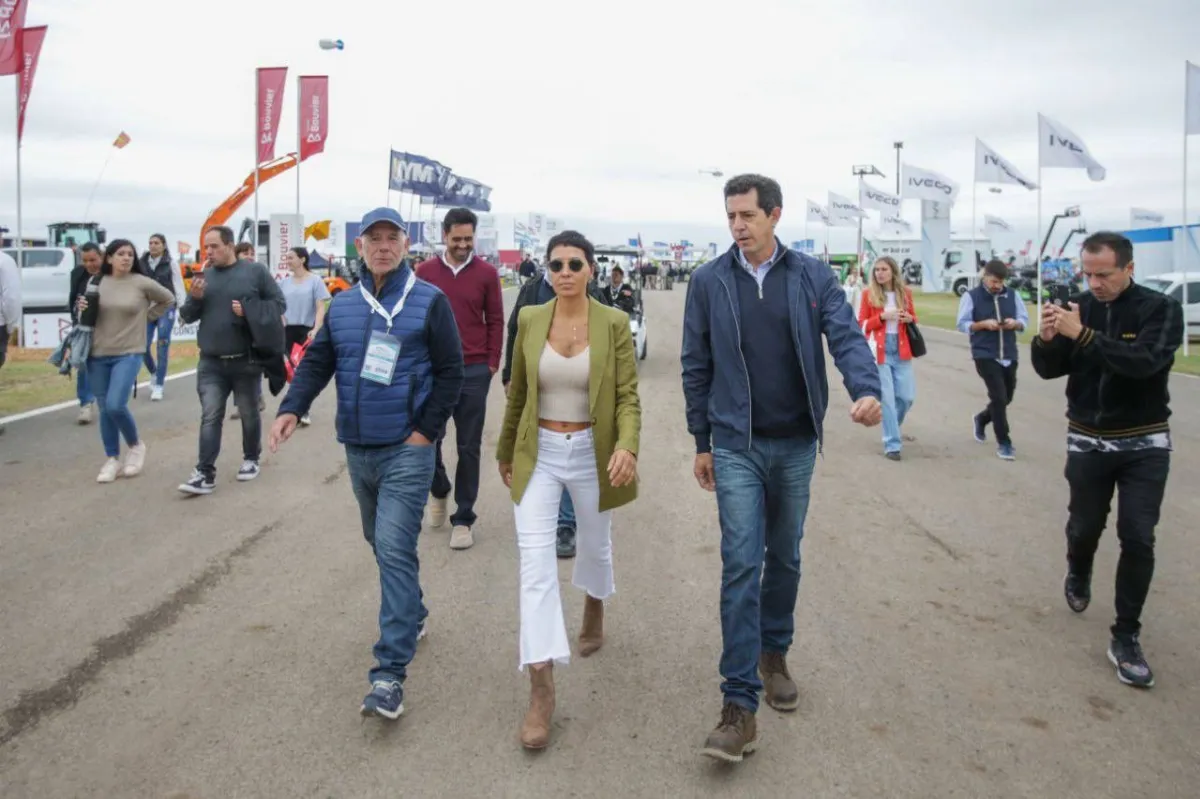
<point>616,269</point>
<point>770,195</point>
<point>996,268</point>
<point>224,231</point>
<point>459,216</point>
<point>89,246</point>
<point>1120,245</point>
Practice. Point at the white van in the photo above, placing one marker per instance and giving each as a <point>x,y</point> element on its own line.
<point>45,277</point>
<point>1171,284</point>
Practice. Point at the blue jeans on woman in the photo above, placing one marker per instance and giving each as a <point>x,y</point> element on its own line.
<point>899,390</point>
<point>163,326</point>
<point>83,387</point>
<point>112,378</point>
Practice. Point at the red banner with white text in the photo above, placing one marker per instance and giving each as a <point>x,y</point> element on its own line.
<point>271,81</point>
<point>12,19</point>
<point>314,114</point>
<point>30,43</point>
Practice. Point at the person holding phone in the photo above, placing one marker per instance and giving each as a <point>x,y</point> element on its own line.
<point>992,314</point>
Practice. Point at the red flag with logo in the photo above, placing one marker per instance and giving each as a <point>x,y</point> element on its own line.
<point>29,41</point>
<point>314,114</point>
<point>12,19</point>
<point>271,81</point>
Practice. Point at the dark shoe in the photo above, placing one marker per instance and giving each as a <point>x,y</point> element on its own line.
<point>1005,452</point>
<point>777,682</point>
<point>892,456</point>
<point>1132,668</point>
<point>1078,590</point>
<point>591,634</point>
<point>386,700</point>
<point>198,484</point>
<point>980,429</point>
<point>736,735</point>
<point>566,542</point>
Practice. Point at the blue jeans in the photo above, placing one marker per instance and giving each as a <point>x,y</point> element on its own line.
<point>899,390</point>
<point>83,387</point>
<point>762,500</point>
<point>163,325</point>
<point>566,511</point>
<point>112,378</point>
<point>391,485</point>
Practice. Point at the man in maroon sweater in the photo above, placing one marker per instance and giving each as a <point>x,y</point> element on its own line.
<point>473,288</point>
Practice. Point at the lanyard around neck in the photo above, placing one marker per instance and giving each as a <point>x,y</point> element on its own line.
<point>377,307</point>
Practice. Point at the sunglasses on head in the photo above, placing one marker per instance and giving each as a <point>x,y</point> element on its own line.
<point>575,264</point>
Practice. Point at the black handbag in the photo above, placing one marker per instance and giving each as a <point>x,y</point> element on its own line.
<point>916,342</point>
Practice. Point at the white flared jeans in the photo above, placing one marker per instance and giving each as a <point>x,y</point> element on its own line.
<point>565,461</point>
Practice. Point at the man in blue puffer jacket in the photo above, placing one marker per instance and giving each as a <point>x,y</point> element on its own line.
<point>393,350</point>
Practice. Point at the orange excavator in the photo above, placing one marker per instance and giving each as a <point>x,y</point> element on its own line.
<point>226,209</point>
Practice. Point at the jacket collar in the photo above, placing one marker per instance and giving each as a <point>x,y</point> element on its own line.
<point>395,280</point>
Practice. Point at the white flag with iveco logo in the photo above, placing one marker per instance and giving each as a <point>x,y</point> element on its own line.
<point>1144,217</point>
<point>843,208</point>
<point>925,184</point>
<point>1059,147</point>
<point>873,199</point>
<point>894,224</point>
<point>817,214</point>
<point>995,223</point>
<point>991,167</point>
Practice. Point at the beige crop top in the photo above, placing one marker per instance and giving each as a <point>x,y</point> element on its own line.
<point>563,386</point>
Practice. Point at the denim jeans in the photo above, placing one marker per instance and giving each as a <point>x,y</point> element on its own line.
<point>163,326</point>
<point>566,511</point>
<point>1139,477</point>
<point>83,387</point>
<point>762,500</point>
<point>899,390</point>
<point>391,485</point>
<point>216,378</point>
<point>112,378</point>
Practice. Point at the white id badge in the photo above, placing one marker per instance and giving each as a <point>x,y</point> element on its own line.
<point>383,351</point>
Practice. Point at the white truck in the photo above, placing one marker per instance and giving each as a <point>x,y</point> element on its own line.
<point>960,272</point>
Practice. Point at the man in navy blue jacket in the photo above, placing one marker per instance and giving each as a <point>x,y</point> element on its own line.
<point>393,350</point>
<point>756,392</point>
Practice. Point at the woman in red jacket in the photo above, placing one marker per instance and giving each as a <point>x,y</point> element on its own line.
<point>886,310</point>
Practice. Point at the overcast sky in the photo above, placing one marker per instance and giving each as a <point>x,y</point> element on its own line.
<point>600,113</point>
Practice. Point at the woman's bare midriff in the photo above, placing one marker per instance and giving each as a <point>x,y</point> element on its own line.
<point>563,427</point>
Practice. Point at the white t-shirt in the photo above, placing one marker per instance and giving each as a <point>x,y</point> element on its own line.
<point>893,325</point>
<point>10,293</point>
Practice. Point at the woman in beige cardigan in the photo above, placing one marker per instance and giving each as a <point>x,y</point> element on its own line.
<point>572,421</point>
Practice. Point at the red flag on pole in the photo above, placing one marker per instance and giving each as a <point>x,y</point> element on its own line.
<point>12,19</point>
<point>29,42</point>
<point>314,114</point>
<point>271,81</point>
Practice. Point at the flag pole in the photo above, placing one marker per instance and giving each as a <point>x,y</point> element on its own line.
<point>299,134</point>
<point>1187,244</point>
<point>20,257</point>
<point>1037,259</point>
<point>257,89</point>
<point>974,224</point>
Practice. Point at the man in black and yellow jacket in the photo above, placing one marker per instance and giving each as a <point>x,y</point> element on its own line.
<point>1116,345</point>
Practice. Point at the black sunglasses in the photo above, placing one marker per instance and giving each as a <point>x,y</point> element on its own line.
<point>575,264</point>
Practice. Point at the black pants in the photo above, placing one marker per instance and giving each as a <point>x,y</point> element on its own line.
<point>3,344</point>
<point>294,334</point>
<point>468,429</point>
<point>1139,478</point>
<point>216,379</point>
<point>1001,382</point>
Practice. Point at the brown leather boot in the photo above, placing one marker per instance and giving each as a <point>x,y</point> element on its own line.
<point>778,684</point>
<point>535,729</point>
<point>735,735</point>
<point>591,634</point>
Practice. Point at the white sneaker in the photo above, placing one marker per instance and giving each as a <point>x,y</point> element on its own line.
<point>305,420</point>
<point>156,393</point>
<point>109,471</point>
<point>85,414</point>
<point>437,511</point>
<point>248,471</point>
<point>461,537</point>
<point>135,460</point>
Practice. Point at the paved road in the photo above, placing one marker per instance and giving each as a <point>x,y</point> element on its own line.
<point>155,646</point>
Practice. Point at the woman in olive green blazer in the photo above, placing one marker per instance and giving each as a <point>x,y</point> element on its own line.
<point>572,421</point>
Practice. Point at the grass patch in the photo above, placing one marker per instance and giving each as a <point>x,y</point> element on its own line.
<point>27,381</point>
<point>941,310</point>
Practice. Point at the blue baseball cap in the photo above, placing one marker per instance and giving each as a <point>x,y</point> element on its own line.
<point>389,216</point>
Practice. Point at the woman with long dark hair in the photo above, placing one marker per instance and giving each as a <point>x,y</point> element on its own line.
<point>118,304</point>
<point>573,421</point>
<point>156,263</point>
<point>886,309</point>
<point>306,295</point>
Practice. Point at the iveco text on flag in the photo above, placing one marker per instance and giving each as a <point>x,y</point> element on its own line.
<point>991,167</point>
<point>816,213</point>
<point>1144,217</point>
<point>894,224</point>
<point>1059,147</point>
<point>873,199</point>
<point>841,208</point>
<point>925,184</point>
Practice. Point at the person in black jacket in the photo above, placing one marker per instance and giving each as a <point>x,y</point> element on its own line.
<point>90,261</point>
<point>538,291</point>
<point>1116,345</point>
<point>156,263</point>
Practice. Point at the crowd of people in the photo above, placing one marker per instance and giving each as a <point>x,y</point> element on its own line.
<point>410,349</point>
